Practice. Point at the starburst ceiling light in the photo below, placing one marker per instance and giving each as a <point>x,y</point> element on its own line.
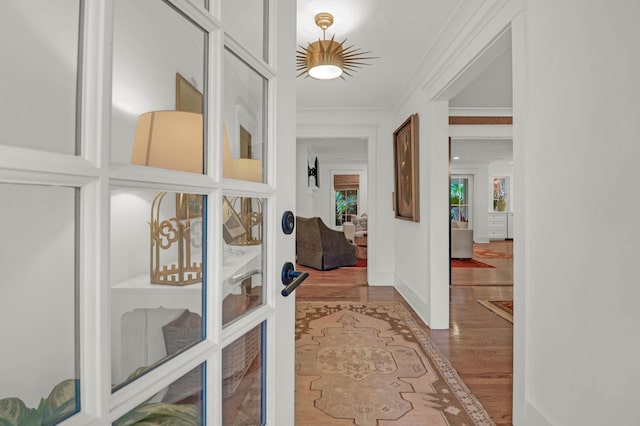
<point>327,59</point>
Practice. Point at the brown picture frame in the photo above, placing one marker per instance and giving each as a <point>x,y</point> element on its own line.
<point>406,170</point>
<point>188,97</point>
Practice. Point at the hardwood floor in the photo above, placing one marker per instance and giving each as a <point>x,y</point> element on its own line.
<point>351,276</point>
<point>479,344</point>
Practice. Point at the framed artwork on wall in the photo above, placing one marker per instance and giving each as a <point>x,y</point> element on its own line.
<point>188,97</point>
<point>406,170</point>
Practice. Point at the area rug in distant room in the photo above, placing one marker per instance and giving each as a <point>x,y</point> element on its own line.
<point>469,263</point>
<point>486,253</point>
<point>371,364</point>
<point>362,263</point>
<point>502,308</point>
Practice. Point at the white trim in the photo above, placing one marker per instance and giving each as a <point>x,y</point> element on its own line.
<point>481,131</point>
<point>520,252</point>
<point>417,303</point>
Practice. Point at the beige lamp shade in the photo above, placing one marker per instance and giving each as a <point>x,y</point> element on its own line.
<point>169,140</point>
<point>239,168</point>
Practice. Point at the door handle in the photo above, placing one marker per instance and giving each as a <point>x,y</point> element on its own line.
<point>291,278</point>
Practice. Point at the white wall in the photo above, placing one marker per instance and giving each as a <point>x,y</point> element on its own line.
<point>581,143</point>
<point>129,247</point>
<point>421,248</point>
<point>313,201</point>
<point>41,86</point>
<point>37,290</point>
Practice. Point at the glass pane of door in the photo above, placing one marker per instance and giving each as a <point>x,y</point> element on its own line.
<point>244,118</point>
<point>243,259</point>
<point>39,51</point>
<point>157,292</point>
<point>243,379</point>
<point>181,403</point>
<point>39,365</point>
<point>246,22</point>
<point>159,65</point>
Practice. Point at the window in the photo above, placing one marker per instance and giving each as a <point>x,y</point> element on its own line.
<point>346,204</point>
<point>346,197</point>
<point>459,200</point>
<point>500,194</point>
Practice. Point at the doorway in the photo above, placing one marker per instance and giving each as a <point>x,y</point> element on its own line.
<point>481,256</point>
<point>336,190</point>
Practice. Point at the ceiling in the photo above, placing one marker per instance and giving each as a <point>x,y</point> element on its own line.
<point>399,33</point>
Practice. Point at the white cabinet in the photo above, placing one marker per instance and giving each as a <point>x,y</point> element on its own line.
<point>510,226</point>
<point>497,226</point>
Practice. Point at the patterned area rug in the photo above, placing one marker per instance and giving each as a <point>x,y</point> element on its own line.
<point>469,263</point>
<point>486,253</point>
<point>502,308</point>
<point>372,365</point>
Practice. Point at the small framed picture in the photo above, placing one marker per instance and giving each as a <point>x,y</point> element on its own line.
<point>232,226</point>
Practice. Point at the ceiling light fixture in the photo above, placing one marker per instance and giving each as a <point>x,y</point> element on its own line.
<point>327,59</point>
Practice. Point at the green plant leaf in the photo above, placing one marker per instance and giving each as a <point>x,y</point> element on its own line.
<point>162,414</point>
<point>12,410</point>
<point>61,402</point>
<point>34,415</point>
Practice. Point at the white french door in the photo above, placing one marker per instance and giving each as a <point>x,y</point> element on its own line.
<point>149,153</point>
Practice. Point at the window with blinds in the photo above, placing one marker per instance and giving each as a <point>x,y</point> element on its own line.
<point>346,197</point>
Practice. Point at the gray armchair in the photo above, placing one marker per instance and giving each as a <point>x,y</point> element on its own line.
<point>320,247</point>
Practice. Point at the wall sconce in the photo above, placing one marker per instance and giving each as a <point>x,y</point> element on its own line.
<point>313,174</point>
<point>173,140</point>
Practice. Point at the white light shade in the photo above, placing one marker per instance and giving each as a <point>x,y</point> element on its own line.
<point>169,140</point>
<point>325,72</point>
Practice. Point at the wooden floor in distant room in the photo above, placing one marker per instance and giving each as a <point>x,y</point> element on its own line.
<point>479,343</point>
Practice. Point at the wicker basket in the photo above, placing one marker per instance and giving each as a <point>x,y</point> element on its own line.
<point>236,359</point>
<point>185,331</point>
<point>179,334</point>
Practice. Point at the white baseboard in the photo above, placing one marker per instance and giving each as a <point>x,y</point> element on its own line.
<point>380,278</point>
<point>481,240</point>
<point>417,303</point>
